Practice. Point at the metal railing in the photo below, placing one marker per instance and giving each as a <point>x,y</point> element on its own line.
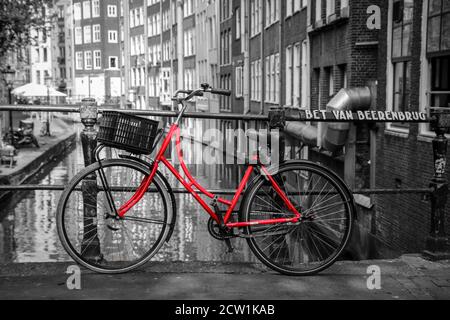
<point>438,190</point>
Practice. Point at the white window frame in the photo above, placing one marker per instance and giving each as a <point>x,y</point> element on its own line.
<point>296,79</point>
<point>87,58</point>
<point>79,60</point>
<point>117,62</point>
<point>112,11</point>
<point>87,34</point>
<point>78,35</point>
<point>289,68</point>
<point>390,72</point>
<point>318,13</point>
<point>77,15</point>
<point>331,7</point>
<point>95,8</point>
<point>86,13</point>
<point>290,7</point>
<point>110,33</point>
<point>239,81</point>
<point>96,33</point>
<point>97,54</point>
<point>425,79</point>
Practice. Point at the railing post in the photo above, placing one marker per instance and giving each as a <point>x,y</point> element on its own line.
<point>437,247</point>
<point>90,246</point>
<point>277,121</point>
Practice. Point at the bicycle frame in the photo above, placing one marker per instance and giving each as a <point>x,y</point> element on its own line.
<point>190,183</point>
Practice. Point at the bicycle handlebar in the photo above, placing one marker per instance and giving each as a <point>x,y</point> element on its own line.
<point>222,92</point>
<point>199,92</point>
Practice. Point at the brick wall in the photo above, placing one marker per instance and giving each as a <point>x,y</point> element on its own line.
<point>401,222</point>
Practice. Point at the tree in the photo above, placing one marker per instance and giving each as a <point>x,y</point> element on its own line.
<point>17,20</point>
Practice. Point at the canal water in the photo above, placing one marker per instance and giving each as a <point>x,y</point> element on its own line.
<point>28,230</point>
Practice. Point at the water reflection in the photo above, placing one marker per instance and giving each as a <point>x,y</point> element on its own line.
<point>28,227</point>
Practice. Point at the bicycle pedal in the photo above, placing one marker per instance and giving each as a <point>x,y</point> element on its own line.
<point>229,246</point>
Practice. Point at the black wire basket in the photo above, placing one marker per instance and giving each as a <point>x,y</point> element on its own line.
<point>127,132</point>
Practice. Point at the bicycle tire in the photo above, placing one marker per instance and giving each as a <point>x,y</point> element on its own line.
<point>255,233</point>
<point>62,225</point>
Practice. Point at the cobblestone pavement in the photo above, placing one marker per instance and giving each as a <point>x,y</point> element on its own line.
<point>409,277</point>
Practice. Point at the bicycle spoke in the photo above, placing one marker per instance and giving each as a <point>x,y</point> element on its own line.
<point>315,241</point>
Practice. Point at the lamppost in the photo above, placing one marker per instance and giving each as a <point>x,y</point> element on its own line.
<point>48,81</point>
<point>9,76</point>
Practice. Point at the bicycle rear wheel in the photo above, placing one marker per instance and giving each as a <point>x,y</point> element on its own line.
<point>314,243</point>
<point>89,230</point>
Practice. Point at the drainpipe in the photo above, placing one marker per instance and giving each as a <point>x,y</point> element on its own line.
<point>334,135</point>
<point>352,99</point>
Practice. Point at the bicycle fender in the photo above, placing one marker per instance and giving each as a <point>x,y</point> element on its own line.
<point>169,190</point>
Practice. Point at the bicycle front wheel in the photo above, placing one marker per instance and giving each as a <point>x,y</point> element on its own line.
<point>316,241</point>
<point>92,234</point>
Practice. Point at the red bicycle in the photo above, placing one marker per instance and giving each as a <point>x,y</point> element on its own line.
<point>116,214</point>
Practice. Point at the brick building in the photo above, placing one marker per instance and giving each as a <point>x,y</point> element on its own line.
<point>97,50</point>
<point>62,43</point>
<point>414,74</point>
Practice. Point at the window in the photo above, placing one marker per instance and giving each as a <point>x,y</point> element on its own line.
<point>402,78</point>
<point>238,23</point>
<point>112,36</point>
<point>97,59</point>
<point>438,26</point>
<point>141,12</point>
<point>331,7</point>
<point>289,76</point>
<point>225,43</point>
<point>188,7</point>
<point>86,9</point>
<point>95,8</point>
<point>305,77</point>
<point>273,78</point>
<point>272,11</point>
<point>112,11</point>
<point>289,7</point>
<point>45,55</point>
<point>399,58</point>
<point>113,63</point>
<point>256,17</point>
<point>440,82</point>
<point>256,80</point>
<point>87,34</point>
<point>77,11</point>
<point>225,8</point>
<point>225,83</point>
<point>402,28</point>
<point>97,33</point>
<point>402,17</point>
<point>79,60</point>
<point>330,81</point>
<point>78,35</point>
<point>189,42</point>
<point>318,10</point>
<point>293,6</point>
<point>239,81</point>
<point>438,46</point>
<point>297,75</point>
<point>276,78</point>
<point>88,60</point>
<point>268,81</point>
